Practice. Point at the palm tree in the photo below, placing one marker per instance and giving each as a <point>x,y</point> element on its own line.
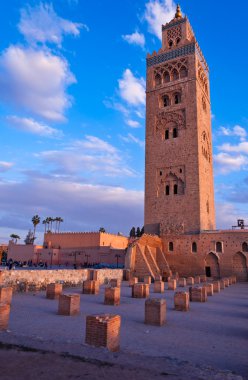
<point>45,223</point>
<point>49,221</point>
<point>60,220</point>
<point>14,238</point>
<point>35,221</point>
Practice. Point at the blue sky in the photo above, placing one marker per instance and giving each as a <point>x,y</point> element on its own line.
<point>72,109</point>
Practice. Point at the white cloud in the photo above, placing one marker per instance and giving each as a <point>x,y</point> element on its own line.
<point>237,130</point>
<point>89,157</point>
<point>227,215</point>
<point>36,81</point>
<point>240,148</point>
<point>158,13</point>
<point>227,163</point>
<point>5,166</point>
<point>32,126</point>
<point>132,89</point>
<point>132,139</point>
<point>42,24</point>
<point>133,123</point>
<point>135,38</point>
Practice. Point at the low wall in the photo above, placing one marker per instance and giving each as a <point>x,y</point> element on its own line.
<point>24,280</point>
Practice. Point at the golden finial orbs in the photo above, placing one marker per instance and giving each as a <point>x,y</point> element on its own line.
<point>178,12</point>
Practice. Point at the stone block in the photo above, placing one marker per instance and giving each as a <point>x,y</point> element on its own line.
<point>182,282</point>
<point>53,291</point>
<point>126,274</point>
<point>222,284</point>
<point>69,304</point>
<point>198,294</point>
<point>140,290</point>
<point>155,311</point>
<point>210,289</point>
<point>147,280</point>
<point>133,280</point>
<point>90,287</point>
<point>6,294</point>
<point>172,284</point>
<point>203,278</point>
<point>103,331</point>
<point>226,281</point>
<point>181,301</point>
<point>4,315</point>
<point>112,296</point>
<point>190,281</point>
<point>197,279</point>
<point>115,283</point>
<point>216,286</point>
<point>158,287</point>
<point>158,278</point>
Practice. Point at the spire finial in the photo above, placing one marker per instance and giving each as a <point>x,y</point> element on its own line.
<point>178,12</point>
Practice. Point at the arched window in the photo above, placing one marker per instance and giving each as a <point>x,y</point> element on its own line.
<point>175,189</point>
<point>178,40</point>
<point>166,77</point>
<point>177,98</point>
<point>157,80</point>
<point>171,246</point>
<point>219,247</point>
<point>175,75</point>
<point>170,43</point>
<point>194,247</point>
<point>245,247</point>
<point>166,101</point>
<point>167,190</point>
<point>166,136</point>
<point>175,133</point>
<point>183,72</point>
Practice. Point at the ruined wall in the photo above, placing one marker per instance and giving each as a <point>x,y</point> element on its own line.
<point>22,279</point>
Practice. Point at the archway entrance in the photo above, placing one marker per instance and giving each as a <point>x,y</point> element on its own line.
<point>240,267</point>
<point>212,267</point>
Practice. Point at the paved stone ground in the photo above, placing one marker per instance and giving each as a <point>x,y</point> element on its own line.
<point>210,335</point>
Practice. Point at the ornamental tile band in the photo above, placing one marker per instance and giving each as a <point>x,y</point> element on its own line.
<point>182,51</point>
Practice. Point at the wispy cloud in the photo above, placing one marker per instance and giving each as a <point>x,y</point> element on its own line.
<point>157,13</point>
<point>42,24</point>
<point>32,126</point>
<point>5,166</point>
<point>130,138</point>
<point>133,123</point>
<point>135,38</point>
<point>237,130</point>
<point>239,148</point>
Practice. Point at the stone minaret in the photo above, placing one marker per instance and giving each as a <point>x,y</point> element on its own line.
<point>179,193</point>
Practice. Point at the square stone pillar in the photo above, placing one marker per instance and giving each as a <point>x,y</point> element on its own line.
<point>90,287</point>
<point>226,280</point>
<point>203,278</point>
<point>181,301</point>
<point>210,289</point>
<point>133,280</point>
<point>158,287</point>
<point>158,278</point>
<point>216,285</point>
<point>140,290</point>
<point>190,281</point>
<point>197,279</point>
<point>198,294</point>
<point>172,284</point>
<point>126,274</point>
<point>6,294</point>
<point>103,331</point>
<point>112,296</point>
<point>182,282</point>
<point>115,283</point>
<point>155,311</point>
<point>222,284</point>
<point>53,291</point>
<point>4,316</point>
<point>69,304</point>
<point>147,280</point>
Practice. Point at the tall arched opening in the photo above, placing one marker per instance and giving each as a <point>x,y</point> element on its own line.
<point>212,266</point>
<point>239,267</point>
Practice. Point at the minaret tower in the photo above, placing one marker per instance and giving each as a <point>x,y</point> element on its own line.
<point>179,193</point>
